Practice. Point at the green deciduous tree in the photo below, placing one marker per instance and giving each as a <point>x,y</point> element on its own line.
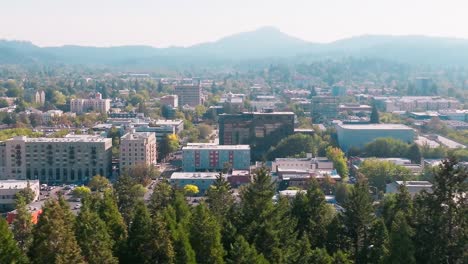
<point>99,183</point>
<point>379,173</point>
<point>81,192</point>
<point>27,194</point>
<point>339,160</point>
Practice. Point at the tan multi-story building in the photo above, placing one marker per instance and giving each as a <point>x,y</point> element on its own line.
<point>92,104</point>
<point>189,95</point>
<point>137,148</point>
<point>39,97</point>
<point>72,159</point>
<point>172,100</point>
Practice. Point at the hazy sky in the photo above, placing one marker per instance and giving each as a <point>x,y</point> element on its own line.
<point>163,23</point>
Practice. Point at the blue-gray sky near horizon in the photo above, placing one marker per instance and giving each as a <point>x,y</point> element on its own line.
<point>163,23</point>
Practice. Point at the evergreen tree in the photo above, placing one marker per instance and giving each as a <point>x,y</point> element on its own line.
<point>312,214</point>
<point>53,237</point>
<point>161,242</point>
<point>9,250</point>
<point>303,252</point>
<point>205,236</point>
<point>161,197</point>
<point>243,253</point>
<point>91,233</point>
<point>139,236</point>
<point>127,198</point>
<point>179,235</point>
<point>110,215</point>
<point>377,242</point>
<point>440,217</point>
<point>337,238</point>
<point>401,245</point>
<point>22,225</point>
<point>320,256</point>
<point>220,198</point>
<point>341,258</point>
<point>267,226</point>
<point>160,86</point>
<point>374,117</point>
<point>414,153</point>
<point>358,217</point>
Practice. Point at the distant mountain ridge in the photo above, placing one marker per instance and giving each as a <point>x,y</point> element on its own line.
<point>263,43</point>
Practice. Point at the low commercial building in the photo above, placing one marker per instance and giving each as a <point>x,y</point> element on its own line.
<point>358,135</point>
<point>9,189</point>
<point>309,163</point>
<point>213,157</point>
<point>72,159</point>
<point>137,148</point>
<point>203,180</point>
<point>413,187</point>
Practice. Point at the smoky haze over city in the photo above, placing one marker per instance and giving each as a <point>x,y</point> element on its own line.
<point>233,132</point>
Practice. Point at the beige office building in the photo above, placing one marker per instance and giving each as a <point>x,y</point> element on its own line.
<point>137,148</point>
<point>72,159</point>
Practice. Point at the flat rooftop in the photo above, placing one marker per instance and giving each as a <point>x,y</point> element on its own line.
<point>191,146</point>
<point>415,183</point>
<point>169,122</point>
<point>71,139</point>
<point>194,175</point>
<point>136,135</point>
<point>16,184</point>
<point>374,126</point>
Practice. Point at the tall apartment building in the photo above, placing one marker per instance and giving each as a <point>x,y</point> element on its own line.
<point>259,130</point>
<point>39,97</point>
<point>324,108</point>
<point>189,94</point>
<point>212,157</point>
<point>137,148</point>
<point>96,103</point>
<point>72,159</point>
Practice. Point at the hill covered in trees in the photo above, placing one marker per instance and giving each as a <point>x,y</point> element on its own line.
<point>265,43</point>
